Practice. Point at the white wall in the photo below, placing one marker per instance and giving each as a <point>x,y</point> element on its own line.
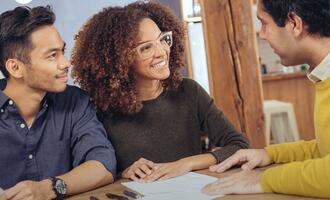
<point>70,14</point>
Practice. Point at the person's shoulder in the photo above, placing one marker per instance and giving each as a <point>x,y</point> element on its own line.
<point>189,84</point>
<point>187,88</point>
<point>71,89</point>
<point>72,94</point>
<point>74,91</point>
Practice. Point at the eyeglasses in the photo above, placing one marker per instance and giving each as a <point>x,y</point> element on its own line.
<point>148,49</point>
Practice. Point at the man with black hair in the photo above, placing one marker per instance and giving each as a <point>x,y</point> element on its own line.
<point>299,32</point>
<point>51,143</point>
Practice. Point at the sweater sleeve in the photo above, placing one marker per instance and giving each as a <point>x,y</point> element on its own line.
<point>307,178</point>
<point>220,130</point>
<point>295,151</point>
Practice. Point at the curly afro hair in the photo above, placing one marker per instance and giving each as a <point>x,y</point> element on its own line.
<point>104,54</point>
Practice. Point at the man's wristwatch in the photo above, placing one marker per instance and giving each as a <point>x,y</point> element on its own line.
<point>59,187</point>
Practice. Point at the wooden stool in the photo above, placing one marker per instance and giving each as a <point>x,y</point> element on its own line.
<point>280,120</point>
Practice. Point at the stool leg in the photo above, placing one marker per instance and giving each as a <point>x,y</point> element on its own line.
<point>267,132</point>
<point>279,127</point>
<point>293,123</point>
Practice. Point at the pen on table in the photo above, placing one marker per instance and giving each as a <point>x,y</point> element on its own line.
<point>132,194</point>
<point>93,198</point>
<point>115,196</point>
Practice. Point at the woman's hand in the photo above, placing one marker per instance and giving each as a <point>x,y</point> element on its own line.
<point>169,170</point>
<point>146,171</point>
<point>139,170</point>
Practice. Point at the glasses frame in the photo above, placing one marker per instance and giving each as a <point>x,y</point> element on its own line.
<point>155,43</point>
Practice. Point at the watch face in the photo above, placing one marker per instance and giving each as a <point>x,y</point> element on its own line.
<point>61,187</point>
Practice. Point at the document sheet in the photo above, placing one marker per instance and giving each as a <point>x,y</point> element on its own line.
<point>188,187</point>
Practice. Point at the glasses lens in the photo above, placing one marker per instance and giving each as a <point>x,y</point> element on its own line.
<point>146,49</point>
<point>166,40</point>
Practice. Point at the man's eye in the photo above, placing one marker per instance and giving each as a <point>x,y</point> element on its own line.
<point>53,55</point>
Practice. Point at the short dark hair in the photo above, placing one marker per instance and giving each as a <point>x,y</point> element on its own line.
<point>16,27</point>
<point>314,13</point>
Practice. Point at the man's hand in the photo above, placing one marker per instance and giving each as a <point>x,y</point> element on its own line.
<point>247,158</point>
<point>30,190</point>
<point>244,182</point>
<point>169,170</point>
<point>139,170</point>
<point>1,194</point>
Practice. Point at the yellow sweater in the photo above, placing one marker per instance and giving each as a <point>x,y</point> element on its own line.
<point>308,172</point>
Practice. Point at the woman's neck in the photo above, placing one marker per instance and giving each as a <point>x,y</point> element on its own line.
<point>148,90</point>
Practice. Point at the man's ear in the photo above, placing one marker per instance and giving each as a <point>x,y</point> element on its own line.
<point>15,68</point>
<point>296,24</point>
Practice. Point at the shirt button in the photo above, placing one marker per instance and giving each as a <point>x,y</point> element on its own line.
<point>11,102</point>
<point>2,111</point>
<point>22,125</point>
<point>30,156</point>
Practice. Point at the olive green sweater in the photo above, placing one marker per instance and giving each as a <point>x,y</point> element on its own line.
<point>169,128</point>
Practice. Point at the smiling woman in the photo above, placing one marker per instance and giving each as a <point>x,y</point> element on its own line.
<point>128,59</point>
<point>106,49</point>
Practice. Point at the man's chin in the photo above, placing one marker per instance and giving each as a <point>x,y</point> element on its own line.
<point>285,61</point>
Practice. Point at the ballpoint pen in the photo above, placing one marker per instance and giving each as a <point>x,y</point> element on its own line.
<point>93,198</point>
<point>115,196</point>
<point>132,194</point>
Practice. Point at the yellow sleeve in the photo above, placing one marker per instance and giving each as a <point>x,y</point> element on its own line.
<point>307,178</point>
<point>295,151</point>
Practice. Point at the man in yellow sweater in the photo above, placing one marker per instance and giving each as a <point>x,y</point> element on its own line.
<point>299,32</point>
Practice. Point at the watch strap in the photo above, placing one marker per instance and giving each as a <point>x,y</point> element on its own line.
<point>58,195</point>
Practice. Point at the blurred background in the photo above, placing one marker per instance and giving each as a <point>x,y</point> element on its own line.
<point>227,57</point>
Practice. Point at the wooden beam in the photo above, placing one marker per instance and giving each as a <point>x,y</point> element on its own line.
<point>234,72</point>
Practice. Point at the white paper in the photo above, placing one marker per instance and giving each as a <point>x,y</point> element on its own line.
<point>193,195</point>
<point>188,186</point>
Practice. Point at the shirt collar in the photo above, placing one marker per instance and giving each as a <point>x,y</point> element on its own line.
<point>49,97</point>
<point>320,72</point>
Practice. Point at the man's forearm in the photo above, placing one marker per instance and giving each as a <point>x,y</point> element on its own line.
<point>87,176</point>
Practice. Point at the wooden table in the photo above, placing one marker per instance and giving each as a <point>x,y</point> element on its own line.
<point>117,188</point>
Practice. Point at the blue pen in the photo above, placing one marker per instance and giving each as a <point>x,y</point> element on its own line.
<point>132,194</point>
